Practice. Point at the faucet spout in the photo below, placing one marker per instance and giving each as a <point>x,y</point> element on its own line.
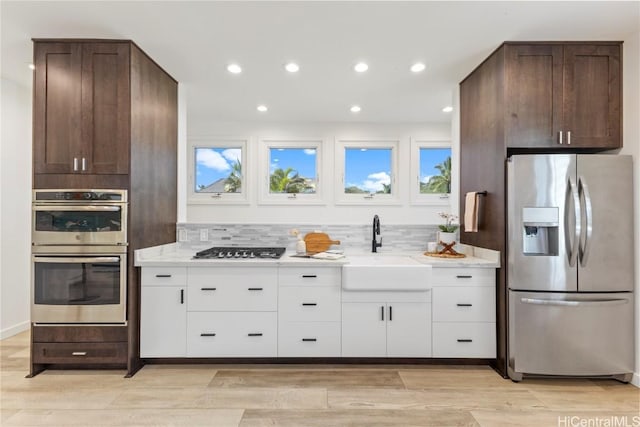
<point>375,244</point>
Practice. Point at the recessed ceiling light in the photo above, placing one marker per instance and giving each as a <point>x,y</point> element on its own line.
<point>292,67</point>
<point>32,67</point>
<point>418,67</point>
<point>355,109</point>
<point>262,108</point>
<point>361,67</point>
<point>447,109</point>
<point>234,68</point>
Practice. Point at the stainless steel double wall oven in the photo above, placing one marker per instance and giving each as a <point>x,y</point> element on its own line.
<point>79,256</point>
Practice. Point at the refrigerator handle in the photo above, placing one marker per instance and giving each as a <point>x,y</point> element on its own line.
<point>583,191</point>
<point>572,244</point>
<point>574,303</point>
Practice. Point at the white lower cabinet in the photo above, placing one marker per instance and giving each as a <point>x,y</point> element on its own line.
<point>232,334</point>
<point>163,313</point>
<point>309,339</point>
<point>391,329</point>
<point>464,339</point>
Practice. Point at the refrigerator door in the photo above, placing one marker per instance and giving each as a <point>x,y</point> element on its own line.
<point>543,222</point>
<point>605,184</point>
<point>570,334</point>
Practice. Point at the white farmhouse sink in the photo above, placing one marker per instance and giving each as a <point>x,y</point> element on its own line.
<point>385,273</point>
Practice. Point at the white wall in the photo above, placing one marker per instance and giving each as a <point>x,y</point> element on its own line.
<point>15,207</point>
<point>631,131</point>
<point>404,213</point>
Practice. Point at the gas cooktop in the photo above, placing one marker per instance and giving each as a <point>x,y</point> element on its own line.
<point>234,252</point>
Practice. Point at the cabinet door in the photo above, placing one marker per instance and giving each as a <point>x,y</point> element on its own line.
<point>533,95</point>
<point>409,329</point>
<point>163,321</point>
<point>364,330</point>
<point>56,107</point>
<point>105,108</point>
<point>592,95</point>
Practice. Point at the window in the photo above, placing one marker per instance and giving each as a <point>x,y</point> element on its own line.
<point>218,174</point>
<point>291,171</point>
<point>368,172</point>
<point>431,172</point>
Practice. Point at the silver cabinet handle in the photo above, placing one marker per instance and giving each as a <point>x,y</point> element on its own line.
<point>560,137</point>
<point>573,303</point>
<point>84,164</point>
<point>75,164</point>
<point>583,191</point>
<point>79,353</point>
<point>571,246</point>
<point>568,137</point>
<point>76,260</point>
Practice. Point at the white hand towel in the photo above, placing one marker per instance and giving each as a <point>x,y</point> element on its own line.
<point>471,212</point>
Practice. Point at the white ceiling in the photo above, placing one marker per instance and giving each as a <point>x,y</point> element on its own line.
<point>195,40</point>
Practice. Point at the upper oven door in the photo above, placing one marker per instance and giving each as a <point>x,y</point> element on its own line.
<point>75,224</point>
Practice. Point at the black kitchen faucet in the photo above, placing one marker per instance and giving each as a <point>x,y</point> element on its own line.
<point>376,232</point>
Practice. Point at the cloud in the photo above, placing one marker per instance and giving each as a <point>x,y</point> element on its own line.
<point>232,154</point>
<point>425,179</point>
<point>310,151</point>
<point>375,182</point>
<point>212,160</point>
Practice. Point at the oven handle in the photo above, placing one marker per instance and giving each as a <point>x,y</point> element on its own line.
<point>76,259</point>
<point>98,208</point>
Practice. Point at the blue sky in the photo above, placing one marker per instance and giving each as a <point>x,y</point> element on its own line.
<point>214,163</point>
<point>429,158</point>
<point>302,160</point>
<point>367,169</point>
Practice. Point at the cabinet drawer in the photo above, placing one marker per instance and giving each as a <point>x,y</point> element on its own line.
<point>310,304</point>
<point>164,276</point>
<point>463,276</point>
<point>316,276</point>
<point>232,289</point>
<point>80,353</point>
<point>232,334</point>
<point>464,304</point>
<point>309,339</point>
<point>464,339</point>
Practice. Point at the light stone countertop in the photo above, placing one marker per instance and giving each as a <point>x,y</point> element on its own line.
<point>172,254</point>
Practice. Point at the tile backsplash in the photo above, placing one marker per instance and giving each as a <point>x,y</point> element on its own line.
<point>352,237</point>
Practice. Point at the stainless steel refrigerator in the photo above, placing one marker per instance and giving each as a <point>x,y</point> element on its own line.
<point>570,265</point>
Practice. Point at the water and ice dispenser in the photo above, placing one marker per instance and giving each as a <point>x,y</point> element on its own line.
<point>540,231</point>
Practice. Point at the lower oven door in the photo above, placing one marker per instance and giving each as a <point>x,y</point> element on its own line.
<point>79,288</point>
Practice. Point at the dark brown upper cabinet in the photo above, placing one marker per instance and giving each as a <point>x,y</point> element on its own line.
<point>562,95</point>
<point>81,122</point>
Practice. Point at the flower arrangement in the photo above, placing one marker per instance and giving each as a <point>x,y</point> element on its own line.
<point>449,226</point>
<point>296,233</point>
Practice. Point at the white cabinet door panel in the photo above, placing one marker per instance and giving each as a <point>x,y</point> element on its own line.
<point>164,276</point>
<point>364,330</point>
<point>309,304</point>
<point>463,276</point>
<point>464,304</point>
<point>464,339</point>
<point>309,339</point>
<point>163,321</point>
<point>408,330</point>
<point>219,334</point>
<point>310,276</point>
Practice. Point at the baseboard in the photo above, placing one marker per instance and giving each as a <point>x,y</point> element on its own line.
<point>636,379</point>
<point>14,330</point>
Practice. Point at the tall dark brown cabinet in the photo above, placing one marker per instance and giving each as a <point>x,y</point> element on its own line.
<point>105,116</point>
<point>538,97</point>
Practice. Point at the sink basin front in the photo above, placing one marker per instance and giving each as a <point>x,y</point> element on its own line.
<point>385,273</point>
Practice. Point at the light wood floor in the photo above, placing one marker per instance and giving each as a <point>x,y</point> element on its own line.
<point>301,395</point>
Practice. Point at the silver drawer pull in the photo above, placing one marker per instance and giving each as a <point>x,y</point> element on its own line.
<point>464,277</point>
<point>309,304</point>
<point>464,305</point>
<point>465,340</point>
<point>79,353</point>
<point>207,335</point>
<point>255,335</point>
<point>309,340</point>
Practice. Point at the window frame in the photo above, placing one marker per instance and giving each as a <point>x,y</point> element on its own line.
<point>342,198</point>
<point>434,199</point>
<point>265,197</point>
<point>241,198</point>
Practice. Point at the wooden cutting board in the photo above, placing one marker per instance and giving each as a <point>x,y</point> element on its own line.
<point>319,242</point>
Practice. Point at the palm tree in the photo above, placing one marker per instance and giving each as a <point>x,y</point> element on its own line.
<point>439,183</point>
<point>288,181</point>
<point>233,183</point>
